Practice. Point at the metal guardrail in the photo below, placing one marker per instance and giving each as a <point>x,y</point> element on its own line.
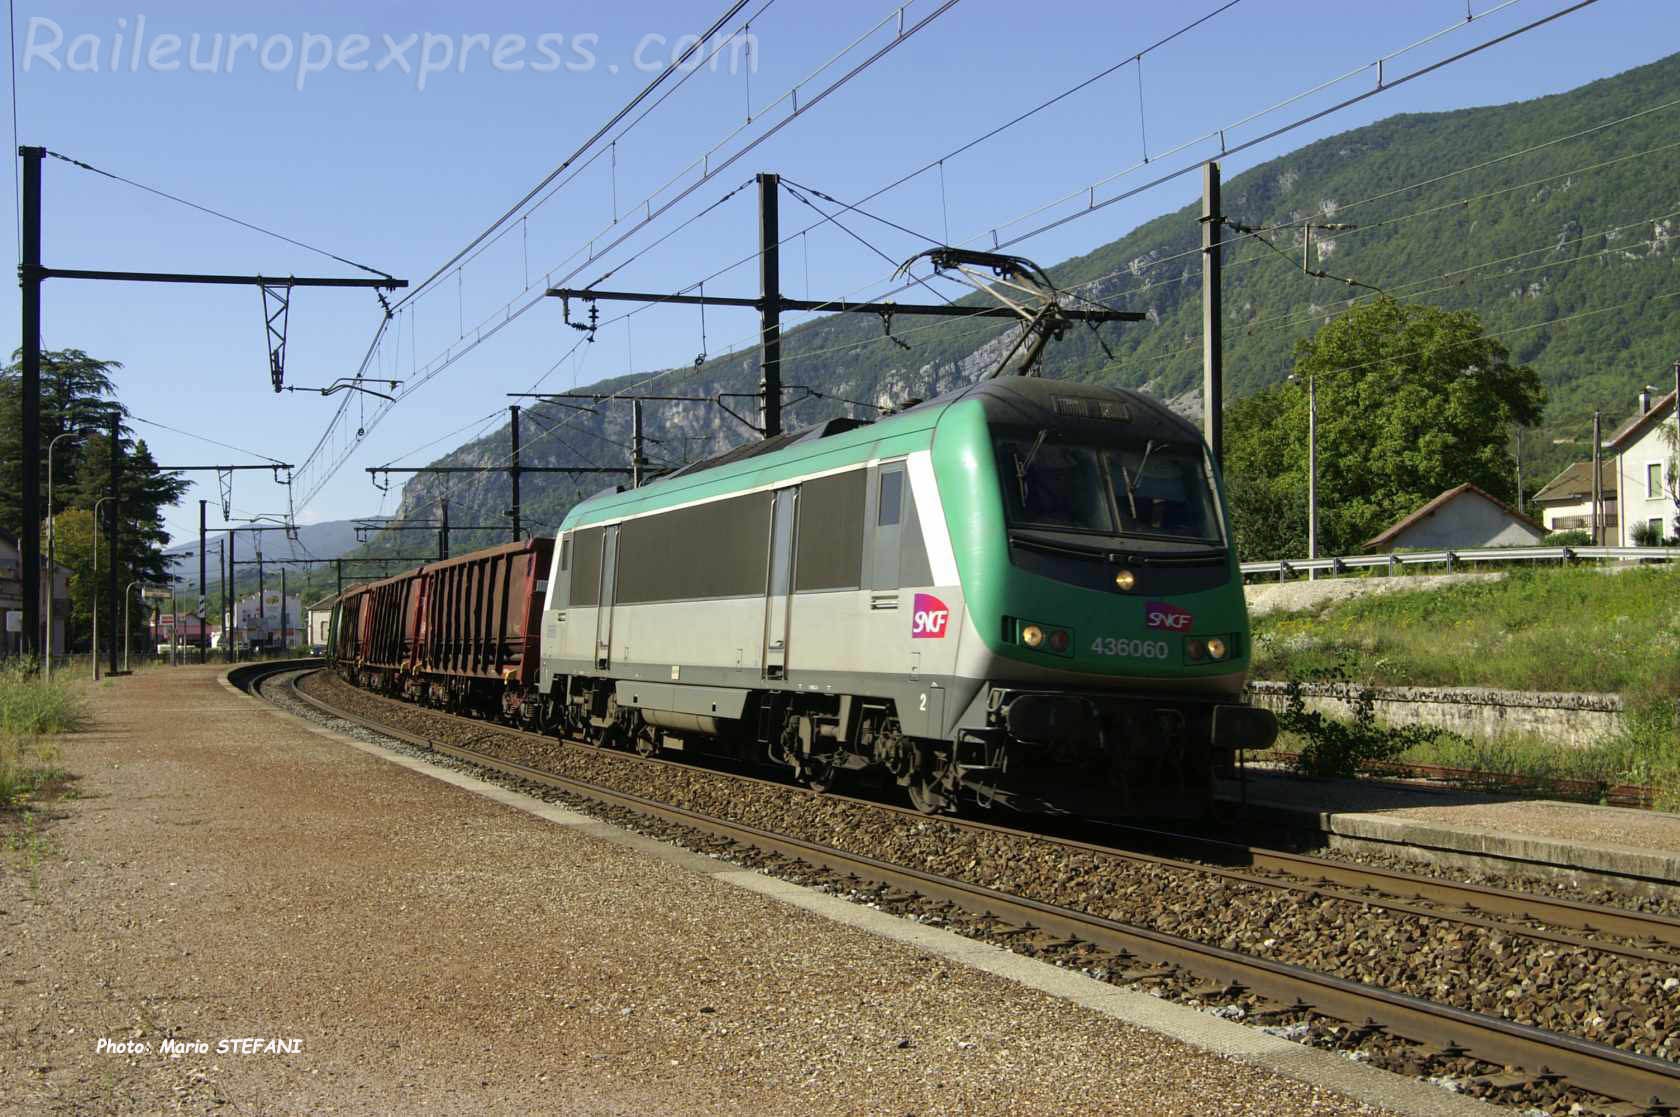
<point>1399,560</point>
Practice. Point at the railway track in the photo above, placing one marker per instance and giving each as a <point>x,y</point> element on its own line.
<point>1641,1083</point>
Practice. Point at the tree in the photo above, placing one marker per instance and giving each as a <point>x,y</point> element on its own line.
<point>1412,401</point>
<point>1268,501</point>
<point>77,394</point>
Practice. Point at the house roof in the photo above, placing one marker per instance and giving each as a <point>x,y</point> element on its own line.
<point>1639,424</point>
<point>1575,483</point>
<point>1377,543</point>
<point>326,602</point>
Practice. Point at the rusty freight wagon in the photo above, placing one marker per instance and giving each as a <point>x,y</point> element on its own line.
<point>479,621</point>
<point>381,652</point>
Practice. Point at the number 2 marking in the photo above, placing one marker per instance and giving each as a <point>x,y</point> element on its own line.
<point>924,702</point>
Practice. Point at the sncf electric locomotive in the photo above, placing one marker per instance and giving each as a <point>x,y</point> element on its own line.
<point>1020,594</point>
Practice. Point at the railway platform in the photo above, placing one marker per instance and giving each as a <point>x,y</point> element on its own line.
<point>1591,845</point>
<point>241,909</point>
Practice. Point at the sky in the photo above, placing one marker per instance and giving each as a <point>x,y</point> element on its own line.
<point>390,135</point>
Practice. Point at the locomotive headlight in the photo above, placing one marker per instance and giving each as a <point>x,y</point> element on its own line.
<point>1032,635</point>
<point>1125,580</point>
<point>1216,648</point>
<point>1195,649</point>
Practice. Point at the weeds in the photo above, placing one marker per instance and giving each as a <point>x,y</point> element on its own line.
<point>1331,747</point>
<point>31,841</point>
<point>32,707</point>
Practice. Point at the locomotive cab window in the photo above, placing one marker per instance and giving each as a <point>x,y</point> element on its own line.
<point>1155,489</point>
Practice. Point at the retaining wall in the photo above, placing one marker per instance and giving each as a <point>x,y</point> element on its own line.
<point>1576,720</point>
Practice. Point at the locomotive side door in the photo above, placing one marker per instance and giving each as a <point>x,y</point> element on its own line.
<point>779,586</point>
<point>603,613</point>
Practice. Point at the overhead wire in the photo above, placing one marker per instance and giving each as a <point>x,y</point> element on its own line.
<point>982,138</point>
<point>625,110</point>
<point>1221,132</point>
<point>201,438</point>
<point>313,485</point>
<point>218,213</point>
<point>602,149</point>
<point>1227,149</point>
<point>1399,291</point>
<point>797,111</point>
<point>1094,206</point>
<point>1485,336</point>
<point>1152,285</point>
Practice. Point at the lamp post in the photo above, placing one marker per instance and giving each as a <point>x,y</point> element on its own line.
<point>52,554</point>
<point>126,629</point>
<point>96,505</point>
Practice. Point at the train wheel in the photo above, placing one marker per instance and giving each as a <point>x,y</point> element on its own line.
<point>927,796</point>
<point>821,774</point>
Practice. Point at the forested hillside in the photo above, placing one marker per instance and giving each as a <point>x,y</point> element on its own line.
<point>1560,232</point>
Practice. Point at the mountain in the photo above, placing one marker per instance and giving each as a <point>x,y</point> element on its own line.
<point>1582,231</point>
<point>326,540</point>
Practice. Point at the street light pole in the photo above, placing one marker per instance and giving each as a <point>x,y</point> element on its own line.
<point>52,553</point>
<point>96,505</point>
<point>127,594</point>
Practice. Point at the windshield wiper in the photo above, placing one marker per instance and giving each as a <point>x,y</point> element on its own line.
<point>1131,490</point>
<point>1021,467</point>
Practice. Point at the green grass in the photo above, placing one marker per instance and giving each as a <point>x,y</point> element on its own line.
<point>31,709</point>
<point>1573,629</point>
<point>1552,629</point>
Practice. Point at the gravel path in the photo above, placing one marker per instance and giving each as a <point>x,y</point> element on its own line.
<point>1613,1000</point>
<point>231,873</point>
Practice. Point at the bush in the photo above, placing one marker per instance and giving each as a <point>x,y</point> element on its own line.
<point>1338,748</point>
<point>1645,535</point>
<point>1575,538</point>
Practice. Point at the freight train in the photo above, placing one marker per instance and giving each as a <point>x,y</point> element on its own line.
<point>1022,594</point>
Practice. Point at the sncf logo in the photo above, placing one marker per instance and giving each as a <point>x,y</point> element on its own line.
<point>930,619</point>
<point>1161,614</point>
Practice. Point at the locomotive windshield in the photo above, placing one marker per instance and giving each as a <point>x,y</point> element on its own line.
<point>1157,489</point>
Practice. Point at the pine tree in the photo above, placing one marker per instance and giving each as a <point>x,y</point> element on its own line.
<point>78,395</point>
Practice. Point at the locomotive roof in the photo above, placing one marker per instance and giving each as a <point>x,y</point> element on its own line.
<point>1087,411</point>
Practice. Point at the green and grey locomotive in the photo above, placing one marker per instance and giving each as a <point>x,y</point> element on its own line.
<point>1023,593</point>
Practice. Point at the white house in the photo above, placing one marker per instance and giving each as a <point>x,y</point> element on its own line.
<point>320,621</point>
<point>1461,517</point>
<point>1645,487</point>
<point>1565,503</point>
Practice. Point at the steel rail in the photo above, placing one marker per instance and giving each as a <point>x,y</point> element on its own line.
<point>1587,1065</point>
<point>1313,875</point>
<point>1653,928</point>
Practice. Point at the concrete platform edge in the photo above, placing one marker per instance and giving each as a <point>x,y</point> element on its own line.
<point>1487,848</point>
<point>1225,1038</point>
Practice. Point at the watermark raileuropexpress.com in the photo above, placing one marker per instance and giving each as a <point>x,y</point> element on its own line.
<point>129,46</point>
